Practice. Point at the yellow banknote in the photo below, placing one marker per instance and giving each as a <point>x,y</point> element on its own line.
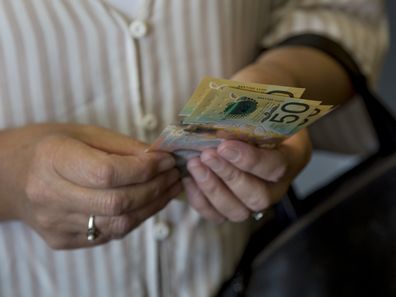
<point>209,83</point>
<point>236,108</point>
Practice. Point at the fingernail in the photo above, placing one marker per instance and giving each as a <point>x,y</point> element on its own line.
<point>199,173</point>
<point>166,163</point>
<point>213,162</point>
<point>230,154</point>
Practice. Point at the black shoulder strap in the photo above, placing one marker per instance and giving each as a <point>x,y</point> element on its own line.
<point>383,121</point>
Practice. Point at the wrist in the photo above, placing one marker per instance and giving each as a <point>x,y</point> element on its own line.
<point>17,148</point>
<point>268,70</point>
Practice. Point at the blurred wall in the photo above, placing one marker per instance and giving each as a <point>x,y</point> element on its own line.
<point>387,84</point>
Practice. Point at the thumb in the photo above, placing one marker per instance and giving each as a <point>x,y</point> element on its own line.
<point>111,142</point>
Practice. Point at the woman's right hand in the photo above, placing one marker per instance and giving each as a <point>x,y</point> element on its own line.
<point>54,176</point>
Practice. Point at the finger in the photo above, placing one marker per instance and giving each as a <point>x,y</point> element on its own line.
<point>267,164</point>
<point>298,150</point>
<point>112,202</point>
<point>69,241</point>
<point>109,141</point>
<point>199,202</point>
<point>117,227</point>
<point>62,234</point>
<point>89,167</point>
<point>253,192</point>
<point>72,232</point>
<point>217,193</point>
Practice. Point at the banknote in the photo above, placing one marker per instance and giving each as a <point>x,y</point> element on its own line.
<point>318,112</point>
<point>262,115</point>
<point>236,108</point>
<point>208,83</point>
<point>187,140</point>
<point>179,137</point>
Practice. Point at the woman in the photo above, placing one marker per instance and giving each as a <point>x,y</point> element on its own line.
<point>129,66</point>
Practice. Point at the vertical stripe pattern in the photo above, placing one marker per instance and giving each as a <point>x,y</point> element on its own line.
<point>353,24</point>
<point>77,61</point>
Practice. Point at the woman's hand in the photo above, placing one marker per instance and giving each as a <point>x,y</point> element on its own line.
<point>55,176</point>
<point>249,179</point>
<point>238,179</point>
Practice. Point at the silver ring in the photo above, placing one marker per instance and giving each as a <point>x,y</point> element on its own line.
<point>258,215</point>
<point>92,232</point>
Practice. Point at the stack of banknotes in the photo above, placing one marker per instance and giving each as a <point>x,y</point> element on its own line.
<point>219,109</point>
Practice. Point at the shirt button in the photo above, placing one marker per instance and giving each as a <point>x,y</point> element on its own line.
<point>138,29</point>
<point>149,122</point>
<point>162,231</point>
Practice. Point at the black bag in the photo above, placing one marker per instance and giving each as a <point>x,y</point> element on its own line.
<point>292,208</point>
<point>346,246</point>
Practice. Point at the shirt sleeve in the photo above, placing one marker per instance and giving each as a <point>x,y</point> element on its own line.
<point>359,26</point>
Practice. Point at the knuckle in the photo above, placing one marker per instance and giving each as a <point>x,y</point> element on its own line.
<point>239,216</point>
<point>114,204</point>
<point>210,186</point>
<point>157,190</point>
<point>47,150</point>
<point>120,226</point>
<point>249,161</point>
<point>103,175</point>
<point>50,143</point>
<point>34,191</point>
<point>152,190</point>
<point>249,158</point>
<point>257,203</point>
<point>44,222</point>
<point>278,173</point>
<point>279,167</point>
<point>146,173</point>
<point>259,199</point>
<point>231,175</point>
<point>144,169</point>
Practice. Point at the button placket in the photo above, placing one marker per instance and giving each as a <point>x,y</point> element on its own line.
<point>160,229</point>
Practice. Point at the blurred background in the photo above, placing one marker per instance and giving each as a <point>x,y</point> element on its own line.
<point>314,174</point>
<point>387,80</point>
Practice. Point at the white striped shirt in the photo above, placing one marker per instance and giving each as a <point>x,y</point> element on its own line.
<point>131,68</point>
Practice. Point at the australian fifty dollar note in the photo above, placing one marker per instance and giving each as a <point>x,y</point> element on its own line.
<point>219,109</point>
